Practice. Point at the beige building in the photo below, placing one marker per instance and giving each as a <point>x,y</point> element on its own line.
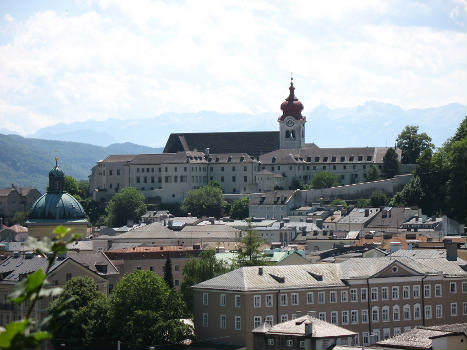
<point>370,296</point>
<point>16,199</point>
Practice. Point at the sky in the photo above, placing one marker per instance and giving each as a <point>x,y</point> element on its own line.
<point>68,61</point>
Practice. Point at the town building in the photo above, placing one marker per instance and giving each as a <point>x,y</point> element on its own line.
<point>242,162</point>
<point>16,199</point>
<point>370,296</point>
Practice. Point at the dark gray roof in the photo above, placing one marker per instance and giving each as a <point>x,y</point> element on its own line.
<point>253,143</point>
<point>94,261</point>
<point>116,158</point>
<point>281,197</point>
<point>12,269</point>
<point>417,338</point>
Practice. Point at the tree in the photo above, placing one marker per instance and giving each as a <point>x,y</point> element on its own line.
<point>339,202</point>
<point>168,275</point>
<point>296,184</point>
<point>205,201</point>
<point>412,144</point>
<point>125,205</point>
<point>83,189</point>
<point>20,217</point>
<point>324,179</point>
<point>378,199</point>
<point>240,208</point>
<point>373,174</point>
<point>249,253</point>
<point>363,203</point>
<point>67,328</point>
<point>198,270</point>
<point>94,211</point>
<point>144,311</point>
<point>71,186</point>
<point>391,165</point>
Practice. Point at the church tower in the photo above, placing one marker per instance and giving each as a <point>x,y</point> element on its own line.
<point>291,122</point>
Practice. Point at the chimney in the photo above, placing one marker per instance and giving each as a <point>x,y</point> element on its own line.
<point>211,220</point>
<point>281,225</point>
<point>308,329</point>
<point>206,153</point>
<point>372,339</point>
<point>169,223</point>
<point>367,212</point>
<point>260,271</point>
<point>451,250</point>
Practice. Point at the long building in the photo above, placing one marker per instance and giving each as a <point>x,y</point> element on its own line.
<point>242,162</point>
<point>370,296</point>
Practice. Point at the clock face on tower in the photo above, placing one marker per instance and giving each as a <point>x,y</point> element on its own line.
<point>289,122</point>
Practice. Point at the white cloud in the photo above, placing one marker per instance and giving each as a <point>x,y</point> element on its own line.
<point>137,59</point>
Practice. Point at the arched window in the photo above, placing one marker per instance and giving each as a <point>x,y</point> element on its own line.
<point>293,134</point>
<point>287,134</point>
<point>375,314</point>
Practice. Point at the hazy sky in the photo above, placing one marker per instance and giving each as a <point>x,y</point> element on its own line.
<point>65,61</point>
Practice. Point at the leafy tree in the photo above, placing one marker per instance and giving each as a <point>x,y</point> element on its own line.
<point>205,201</point>
<point>67,328</point>
<point>249,253</point>
<point>339,202</point>
<point>168,275</point>
<point>144,311</point>
<point>20,217</point>
<point>94,212</point>
<point>363,203</point>
<point>391,165</point>
<point>378,199</point>
<point>125,205</point>
<point>198,270</point>
<point>324,179</point>
<point>240,208</point>
<point>373,174</point>
<point>71,186</point>
<point>412,194</point>
<point>83,189</point>
<point>297,184</point>
<point>412,144</point>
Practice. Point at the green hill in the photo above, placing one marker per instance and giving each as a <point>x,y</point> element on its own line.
<point>27,161</point>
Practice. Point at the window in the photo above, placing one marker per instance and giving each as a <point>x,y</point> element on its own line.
<point>353,295</point>
<point>284,318</point>
<point>222,300</point>
<point>427,291</point>
<point>269,300</point>
<point>302,343</point>
<point>438,290</point>
<point>271,341</point>
<point>439,311</point>
<point>334,316</point>
<point>294,298</point>
<point>269,320</point>
<point>344,296</point>
<point>406,312</point>
<point>364,294</point>
<point>257,301</point>
<point>385,314</point>
<point>222,179</point>
<point>386,333</point>
<point>283,298</point>
<point>396,313</point>
<point>205,298</point>
<point>237,300</point>
<point>354,316</point>
<point>416,292</point>
<point>233,178</point>
<point>384,293</point>
<point>309,298</point>
<point>453,309</point>
<point>453,287</point>
<point>427,311</point>
<point>223,321</point>
<point>345,317</point>
<point>321,298</point>
<point>464,308</point>
<point>376,334</point>
<point>205,319</point>
<point>245,179</point>
<point>395,293</point>
<point>365,316</point>
<point>289,342</point>
<point>464,287</point>
<point>333,297</point>
<point>322,316</point>
<point>416,312</point>
<point>375,314</point>
<point>176,283</point>
<point>397,331</point>
<point>406,292</point>
<point>257,321</point>
<point>365,338</point>
<point>374,294</point>
<point>238,323</point>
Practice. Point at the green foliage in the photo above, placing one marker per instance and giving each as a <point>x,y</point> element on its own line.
<point>297,184</point>
<point>144,311</point>
<point>205,201</point>
<point>198,270</point>
<point>94,212</point>
<point>372,174</point>
<point>249,253</point>
<point>324,179</point>
<point>339,202</point>
<point>125,205</point>
<point>28,333</point>
<point>391,165</point>
<point>240,208</point>
<point>83,189</point>
<point>168,275</point>
<point>378,199</point>
<point>363,203</point>
<point>68,327</point>
<point>20,217</point>
<point>412,144</point>
<point>71,186</point>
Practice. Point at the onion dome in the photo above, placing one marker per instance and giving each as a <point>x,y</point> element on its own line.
<point>291,106</point>
<point>56,204</point>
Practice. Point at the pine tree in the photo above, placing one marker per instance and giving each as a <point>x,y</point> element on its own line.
<point>168,276</point>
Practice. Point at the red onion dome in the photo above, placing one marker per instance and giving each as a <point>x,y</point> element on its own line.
<point>292,106</point>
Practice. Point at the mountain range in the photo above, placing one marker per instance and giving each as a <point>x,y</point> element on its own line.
<point>371,124</point>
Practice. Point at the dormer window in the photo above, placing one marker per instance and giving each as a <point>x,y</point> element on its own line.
<point>342,159</point>
<point>217,159</point>
<point>360,158</point>
<point>351,158</point>
<point>316,159</point>
<point>333,159</point>
<point>242,158</point>
<point>273,159</point>
<point>325,159</point>
<point>229,159</point>
<point>308,159</point>
<point>369,158</point>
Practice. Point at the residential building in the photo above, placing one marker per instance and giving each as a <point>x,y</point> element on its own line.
<point>16,199</point>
